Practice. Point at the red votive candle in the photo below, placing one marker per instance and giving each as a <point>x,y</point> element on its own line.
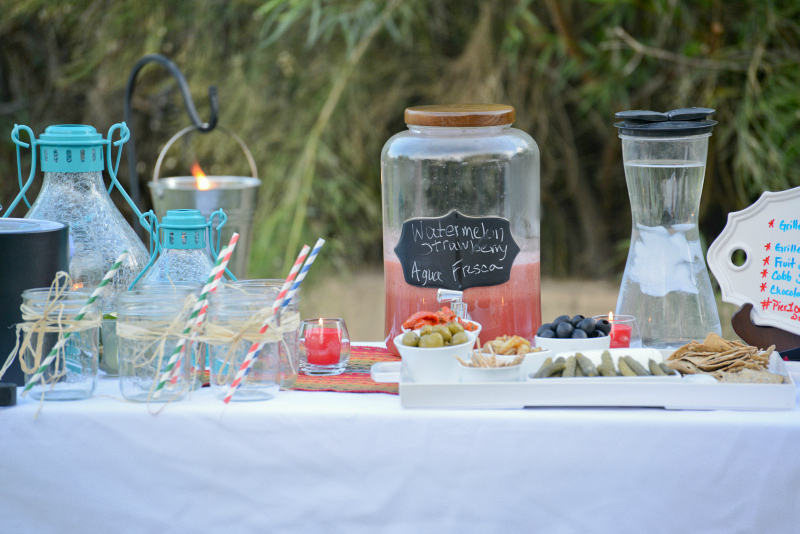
<point>324,346</point>
<point>620,336</point>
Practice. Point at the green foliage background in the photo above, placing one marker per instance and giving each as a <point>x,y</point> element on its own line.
<point>316,87</point>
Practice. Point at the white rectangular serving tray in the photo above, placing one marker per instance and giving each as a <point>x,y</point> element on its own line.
<point>672,392</point>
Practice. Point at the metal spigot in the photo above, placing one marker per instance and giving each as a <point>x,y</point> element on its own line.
<point>454,298</point>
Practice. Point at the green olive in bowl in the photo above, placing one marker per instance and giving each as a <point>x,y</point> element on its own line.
<point>459,338</point>
<point>443,331</point>
<point>455,327</point>
<point>431,341</point>
<point>411,339</point>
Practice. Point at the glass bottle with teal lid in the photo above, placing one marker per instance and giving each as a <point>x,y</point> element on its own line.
<point>179,248</point>
<point>73,158</point>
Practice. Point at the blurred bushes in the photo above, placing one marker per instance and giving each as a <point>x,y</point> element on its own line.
<point>316,87</point>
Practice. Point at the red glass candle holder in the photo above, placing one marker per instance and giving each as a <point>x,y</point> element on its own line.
<point>324,346</point>
<point>624,331</point>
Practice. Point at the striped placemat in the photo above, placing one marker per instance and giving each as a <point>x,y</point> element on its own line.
<point>356,379</point>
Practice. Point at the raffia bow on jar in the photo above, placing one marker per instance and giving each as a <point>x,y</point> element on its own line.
<point>58,340</point>
<point>234,324</point>
<point>150,324</point>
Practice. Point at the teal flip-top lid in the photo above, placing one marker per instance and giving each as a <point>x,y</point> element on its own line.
<point>183,229</point>
<point>71,148</point>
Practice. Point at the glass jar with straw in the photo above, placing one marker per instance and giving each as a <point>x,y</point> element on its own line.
<point>150,324</point>
<point>290,324</point>
<point>49,314</point>
<point>233,324</point>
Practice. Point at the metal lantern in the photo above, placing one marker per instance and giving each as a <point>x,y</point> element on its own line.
<point>73,158</point>
<point>179,247</point>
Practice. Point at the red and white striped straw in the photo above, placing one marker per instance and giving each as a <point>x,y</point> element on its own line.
<point>289,279</point>
<point>255,348</point>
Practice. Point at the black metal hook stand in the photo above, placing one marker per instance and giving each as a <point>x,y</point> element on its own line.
<point>203,127</point>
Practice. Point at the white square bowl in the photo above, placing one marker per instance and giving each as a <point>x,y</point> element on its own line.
<point>557,345</point>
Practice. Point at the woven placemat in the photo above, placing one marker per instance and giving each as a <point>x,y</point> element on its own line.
<point>356,379</point>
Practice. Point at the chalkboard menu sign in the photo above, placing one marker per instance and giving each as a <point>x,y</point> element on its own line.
<point>456,251</point>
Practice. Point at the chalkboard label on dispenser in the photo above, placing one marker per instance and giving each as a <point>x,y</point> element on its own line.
<point>456,251</point>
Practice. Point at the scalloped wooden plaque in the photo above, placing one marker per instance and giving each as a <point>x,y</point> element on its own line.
<point>769,234</point>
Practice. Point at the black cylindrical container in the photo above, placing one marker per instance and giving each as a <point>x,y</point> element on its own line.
<point>31,253</point>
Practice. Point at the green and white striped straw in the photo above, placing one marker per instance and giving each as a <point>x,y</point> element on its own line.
<point>197,316</point>
<point>97,293</point>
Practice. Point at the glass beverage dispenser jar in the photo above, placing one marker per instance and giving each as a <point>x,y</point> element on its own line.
<point>666,284</point>
<point>461,211</point>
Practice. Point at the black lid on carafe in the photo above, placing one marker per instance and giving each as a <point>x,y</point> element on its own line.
<point>682,122</point>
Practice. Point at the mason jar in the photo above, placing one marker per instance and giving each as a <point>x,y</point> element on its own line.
<point>461,211</point>
<point>233,324</point>
<point>289,365</point>
<point>150,324</point>
<point>72,375</point>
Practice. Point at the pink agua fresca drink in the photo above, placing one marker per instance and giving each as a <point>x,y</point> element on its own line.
<point>512,308</point>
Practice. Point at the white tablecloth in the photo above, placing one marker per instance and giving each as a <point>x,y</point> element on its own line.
<point>334,462</point>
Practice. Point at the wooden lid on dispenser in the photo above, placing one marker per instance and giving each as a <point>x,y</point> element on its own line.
<point>460,115</point>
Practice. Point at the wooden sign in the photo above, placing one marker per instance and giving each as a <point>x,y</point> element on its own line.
<point>768,232</point>
<point>456,251</point>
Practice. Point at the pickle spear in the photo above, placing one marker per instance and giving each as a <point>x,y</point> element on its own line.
<point>654,368</point>
<point>665,368</point>
<point>569,370</point>
<point>623,367</point>
<point>607,365</point>
<point>547,362</point>
<point>551,370</point>
<point>586,364</point>
<point>636,367</point>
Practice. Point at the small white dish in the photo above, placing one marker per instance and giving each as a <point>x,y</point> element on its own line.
<point>557,345</point>
<point>476,332</point>
<point>437,365</point>
<point>510,373</point>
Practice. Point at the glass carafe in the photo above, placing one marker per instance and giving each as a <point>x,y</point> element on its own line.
<point>73,193</point>
<point>666,284</point>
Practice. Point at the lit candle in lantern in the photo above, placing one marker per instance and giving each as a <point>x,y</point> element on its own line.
<point>620,334</point>
<point>323,345</point>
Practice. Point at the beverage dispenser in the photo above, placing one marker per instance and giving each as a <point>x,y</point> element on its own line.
<point>461,212</point>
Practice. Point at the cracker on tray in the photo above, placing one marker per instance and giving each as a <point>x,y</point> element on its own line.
<point>727,361</point>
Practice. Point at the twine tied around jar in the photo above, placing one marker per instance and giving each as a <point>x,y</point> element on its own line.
<point>156,333</point>
<point>49,320</point>
<point>233,332</point>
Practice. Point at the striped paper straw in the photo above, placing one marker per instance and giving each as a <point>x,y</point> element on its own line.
<point>97,293</point>
<point>289,279</point>
<point>197,316</point>
<point>202,302</point>
<point>249,359</point>
<point>302,275</point>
